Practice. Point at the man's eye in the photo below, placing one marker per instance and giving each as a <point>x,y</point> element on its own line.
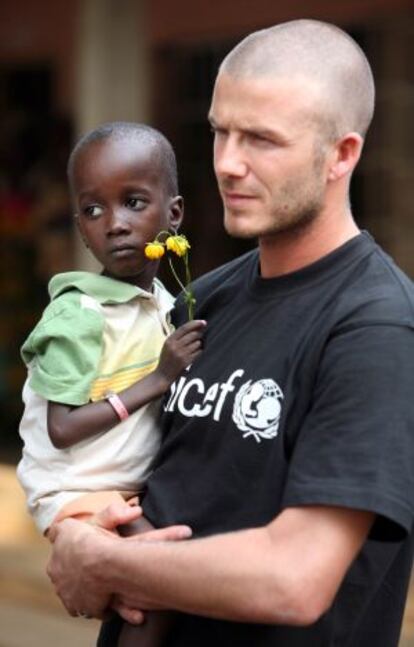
<point>259,139</point>
<point>218,132</point>
<point>135,203</point>
<point>263,141</point>
<point>93,211</point>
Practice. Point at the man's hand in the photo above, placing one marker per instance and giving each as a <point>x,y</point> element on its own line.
<point>76,567</point>
<point>73,568</point>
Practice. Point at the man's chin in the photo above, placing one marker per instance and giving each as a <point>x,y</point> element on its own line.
<point>237,227</point>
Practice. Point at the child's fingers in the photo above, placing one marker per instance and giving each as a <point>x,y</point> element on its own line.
<point>133,616</point>
<point>195,324</point>
<point>194,350</point>
<point>190,338</point>
<point>115,515</point>
<point>170,533</point>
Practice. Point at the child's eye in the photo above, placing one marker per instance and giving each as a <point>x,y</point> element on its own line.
<point>135,203</point>
<point>93,211</point>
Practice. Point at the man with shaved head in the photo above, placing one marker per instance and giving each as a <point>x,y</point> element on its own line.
<point>289,447</point>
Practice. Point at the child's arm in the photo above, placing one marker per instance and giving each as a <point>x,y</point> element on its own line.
<point>68,425</point>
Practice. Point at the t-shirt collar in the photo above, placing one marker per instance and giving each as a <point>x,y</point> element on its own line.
<point>103,288</point>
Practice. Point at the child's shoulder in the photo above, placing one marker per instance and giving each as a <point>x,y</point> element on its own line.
<point>71,318</point>
<point>69,305</point>
<point>73,283</point>
<point>105,290</point>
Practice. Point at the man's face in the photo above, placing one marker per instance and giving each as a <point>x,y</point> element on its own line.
<point>268,158</point>
<point>122,203</point>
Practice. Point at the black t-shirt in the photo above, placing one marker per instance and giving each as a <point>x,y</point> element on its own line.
<point>302,395</point>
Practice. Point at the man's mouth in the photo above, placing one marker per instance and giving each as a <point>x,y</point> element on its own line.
<point>236,198</point>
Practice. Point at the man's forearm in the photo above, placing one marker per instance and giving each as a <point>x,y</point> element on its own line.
<point>232,576</point>
<point>285,573</point>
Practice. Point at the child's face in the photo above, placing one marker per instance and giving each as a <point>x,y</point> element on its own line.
<point>121,200</point>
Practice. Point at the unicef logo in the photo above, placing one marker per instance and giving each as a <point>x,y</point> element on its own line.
<point>257,408</point>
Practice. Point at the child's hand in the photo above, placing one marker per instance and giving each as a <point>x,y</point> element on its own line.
<point>181,349</point>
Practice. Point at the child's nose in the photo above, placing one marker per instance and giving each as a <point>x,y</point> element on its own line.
<point>118,222</point>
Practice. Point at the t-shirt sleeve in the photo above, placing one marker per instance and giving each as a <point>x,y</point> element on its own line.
<point>356,447</point>
<point>64,351</point>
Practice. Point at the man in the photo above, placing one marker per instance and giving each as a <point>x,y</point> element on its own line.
<point>288,446</point>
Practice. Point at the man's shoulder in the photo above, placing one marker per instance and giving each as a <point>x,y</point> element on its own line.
<point>399,283</point>
<point>380,290</point>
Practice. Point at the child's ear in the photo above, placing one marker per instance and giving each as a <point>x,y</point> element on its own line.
<point>176,211</point>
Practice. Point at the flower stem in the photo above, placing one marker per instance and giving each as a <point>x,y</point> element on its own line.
<point>188,295</point>
<point>163,232</point>
<point>190,300</point>
<point>177,278</point>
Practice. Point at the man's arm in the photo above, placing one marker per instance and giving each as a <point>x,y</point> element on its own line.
<point>285,573</point>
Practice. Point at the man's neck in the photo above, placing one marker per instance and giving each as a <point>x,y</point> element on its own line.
<point>287,252</point>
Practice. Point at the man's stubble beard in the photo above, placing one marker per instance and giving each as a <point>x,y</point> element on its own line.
<point>296,217</point>
<point>292,222</point>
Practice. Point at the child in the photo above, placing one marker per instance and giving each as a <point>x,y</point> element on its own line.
<point>97,361</point>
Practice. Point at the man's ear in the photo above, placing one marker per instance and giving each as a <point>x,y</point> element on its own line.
<point>345,156</point>
<point>176,211</point>
<point>80,229</point>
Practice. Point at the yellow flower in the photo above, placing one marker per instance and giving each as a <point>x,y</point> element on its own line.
<point>177,244</point>
<point>154,250</point>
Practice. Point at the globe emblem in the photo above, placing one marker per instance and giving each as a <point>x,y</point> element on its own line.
<point>257,408</point>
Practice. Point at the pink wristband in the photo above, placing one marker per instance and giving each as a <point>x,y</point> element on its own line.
<point>117,405</point>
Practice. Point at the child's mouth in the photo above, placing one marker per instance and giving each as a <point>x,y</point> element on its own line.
<point>122,251</point>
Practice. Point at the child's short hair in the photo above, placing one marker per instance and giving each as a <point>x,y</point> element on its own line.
<point>141,132</point>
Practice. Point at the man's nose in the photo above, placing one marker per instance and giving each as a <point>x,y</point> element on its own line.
<point>117,222</point>
<point>229,158</point>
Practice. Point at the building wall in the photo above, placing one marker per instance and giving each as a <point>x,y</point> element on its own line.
<point>41,31</point>
<point>186,20</point>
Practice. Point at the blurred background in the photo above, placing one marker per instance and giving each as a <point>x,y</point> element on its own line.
<point>68,65</point>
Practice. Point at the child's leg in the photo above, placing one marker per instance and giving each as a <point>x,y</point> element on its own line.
<point>152,633</point>
<point>110,632</point>
<point>157,625</point>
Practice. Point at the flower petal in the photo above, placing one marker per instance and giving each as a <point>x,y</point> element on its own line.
<point>177,244</point>
<point>154,250</point>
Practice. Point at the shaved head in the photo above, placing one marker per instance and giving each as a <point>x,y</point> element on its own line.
<point>130,131</point>
<point>317,52</point>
